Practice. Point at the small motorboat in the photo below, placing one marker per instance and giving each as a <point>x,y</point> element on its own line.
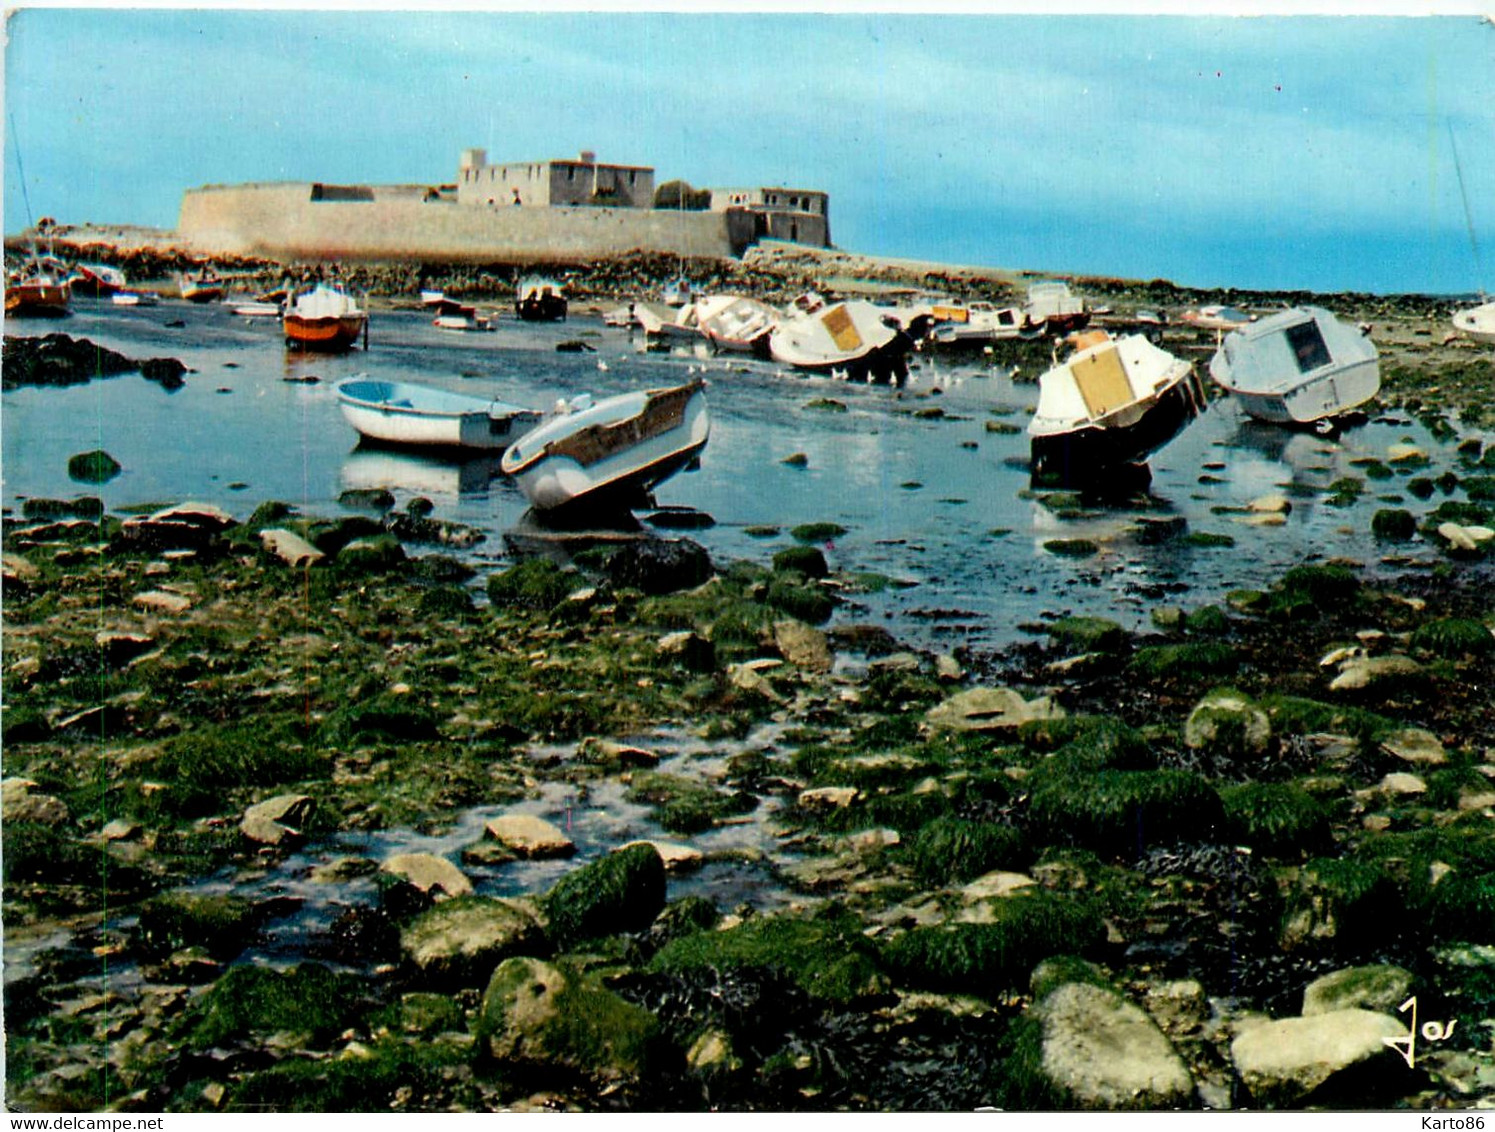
<point>611,452</point>
<point>417,416</point>
<point>980,323</point>
<point>1054,306</point>
<point>1477,323</point>
<point>325,318</point>
<point>677,292</point>
<point>667,322</point>
<point>432,298</point>
<point>1216,318</point>
<point>455,316</point>
<point>1112,404</point>
<point>37,291</point>
<point>256,309</point>
<point>206,288</point>
<point>540,300</point>
<point>96,279</point>
<point>134,299</point>
<point>1301,366</point>
<point>735,323</point>
<point>851,340</point>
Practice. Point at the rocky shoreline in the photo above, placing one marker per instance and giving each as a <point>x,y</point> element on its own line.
<point>1098,870</point>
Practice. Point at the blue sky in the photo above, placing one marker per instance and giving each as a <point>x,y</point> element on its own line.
<point>1255,152</point>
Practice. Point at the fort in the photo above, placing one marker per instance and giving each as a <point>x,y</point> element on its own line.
<point>515,212</point>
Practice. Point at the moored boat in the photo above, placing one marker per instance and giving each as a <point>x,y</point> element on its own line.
<point>96,279</point>
<point>134,299</point>
<point>325,318</point>
<point>417,416</point>
<point>849,339</point>
<point>540,300</point>
<point>37,292</point>
<point>611,452</point>
<point>456,316</point>
<point>1477,323</point>
<point>667,322</point>
<point>737,323</point>
<point>1112,404</point>
<point>979,323</point>
<point>1053,305</point>
<point>1216,318</point>
<point>1300,366</point>
<point>206,288</point>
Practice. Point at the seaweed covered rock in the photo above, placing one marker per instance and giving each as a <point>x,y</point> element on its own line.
<point>1124,812</point>
<point>58,359</point>
<point>1381,987</point>
<point>1228,721</point>
<point>222,924</point>
<point>951,849</point>
<point>459,942</point>
<point>826,955</point>
<point>990,709</point>
<point>1102,1052</point>
<point>806,560</point>
<point>621,892</point>
<point>659,566</point>
<point>551,1021</point>
<point>536,584</point>
<point>988,958</point>
<point>251,1002</point>
<point>1277,818</point>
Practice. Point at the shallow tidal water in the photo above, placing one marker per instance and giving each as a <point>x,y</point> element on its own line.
<point>938,503</point>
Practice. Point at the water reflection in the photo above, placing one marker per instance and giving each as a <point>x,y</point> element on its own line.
<point>370,467</point>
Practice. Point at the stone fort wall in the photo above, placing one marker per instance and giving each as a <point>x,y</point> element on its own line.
<point>281,221</point>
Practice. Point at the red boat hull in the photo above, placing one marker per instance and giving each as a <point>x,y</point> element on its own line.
<point>37,300</point>
<point>326,334</point>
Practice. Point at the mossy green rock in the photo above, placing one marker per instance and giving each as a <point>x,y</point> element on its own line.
<point>986,959</point>
<point>459,942</point>
<point>536,584</point>
<point>808,603</point>
<point>1454,637</point>
<point>371,555</point>
<point>1382,988</point>
<point>621,892</point>
<point>827,955</point>
<point>93,467</point>
<point>951,850</point>
<point>553,1020</point>
<point>389,1075</point>
<point>221,923</point>
<point>806,560</point>
<point>817,532</point>
<point>1393,524</point>
<point>1125,811</point>
<point>1276,818</point>
<point>1227,721</point>
<point>1340,903</point>
<point>1194,660</point>
<point>249,1001</point>
<point>1089,634</point>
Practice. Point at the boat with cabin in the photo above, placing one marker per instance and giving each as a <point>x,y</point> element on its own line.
<point>540,300</point>
<point>96,279</point>
<point>1301,366</point>
<point>407,415</point>
<point>737,323</point>
<point>205,288</point>
<point>1052,305</point>
<point>1112,404</point>
<point>613,452</point>
<point>853,340</point>
<point>38,290</point>
<point>324,318</point>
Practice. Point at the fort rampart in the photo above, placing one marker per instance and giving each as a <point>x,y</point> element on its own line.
<point>283,221</point>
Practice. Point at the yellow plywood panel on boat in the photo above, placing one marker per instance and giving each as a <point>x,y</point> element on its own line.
<point>950,314</point>
<point>842,330</point>
<point>1101,379</point>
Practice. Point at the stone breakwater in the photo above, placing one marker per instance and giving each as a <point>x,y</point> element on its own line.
<point>1196,866</point>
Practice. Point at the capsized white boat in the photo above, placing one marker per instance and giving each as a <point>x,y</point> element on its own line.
<point>1477,323</point>
<point>134,299</point>
<point>737,323</point>
<point>394,412</point>
<point>1216,318</point>
<point>610,452</point>
<point>1299,366</point>
<point>456,316</point>
<point>667,322</point>
<point>1052,304</point>
<point>1113,403</point>
<point>853,339</point>
<point>255,309</point>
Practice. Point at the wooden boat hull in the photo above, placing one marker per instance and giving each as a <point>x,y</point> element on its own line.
<point>37,300</point>
<point>324,334</point>
<point>413,416</point>
<point>612,453</point>
<point>209,293</point>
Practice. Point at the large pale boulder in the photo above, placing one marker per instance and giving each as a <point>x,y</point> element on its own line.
<point>1374,671</point>
<point>1223,715</point>
<point>990,709</point>
<point>1282,1062</point>
<point>803,646</point>
<point>429,873</point>
<point>1104,1052</point>
<point>529,836</point>
<point>1414,745</point>
<point>458,943</point>
<point>279,820</point>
